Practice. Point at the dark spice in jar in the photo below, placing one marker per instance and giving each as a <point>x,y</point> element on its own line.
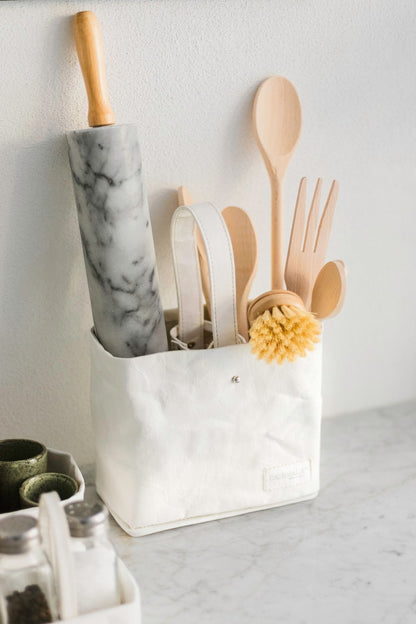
<point>28,607</point>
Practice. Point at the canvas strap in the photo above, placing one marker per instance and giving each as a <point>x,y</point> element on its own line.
<point>220,260</point>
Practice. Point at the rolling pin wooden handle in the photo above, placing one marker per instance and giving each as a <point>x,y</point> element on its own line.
<point>89,46</point>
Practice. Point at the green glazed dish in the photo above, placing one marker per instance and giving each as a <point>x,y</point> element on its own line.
<point>19,459</point>
<point>31,489</point>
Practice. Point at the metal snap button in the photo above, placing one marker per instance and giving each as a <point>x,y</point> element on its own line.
<point>236,379</point>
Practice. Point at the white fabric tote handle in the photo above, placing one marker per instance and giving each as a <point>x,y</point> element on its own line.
<point>220,260</point>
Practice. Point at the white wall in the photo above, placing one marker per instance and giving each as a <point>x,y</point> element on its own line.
<point>186,71</point>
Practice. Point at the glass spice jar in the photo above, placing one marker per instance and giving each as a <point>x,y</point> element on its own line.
<point>95,558</point>
<point>27,593</point>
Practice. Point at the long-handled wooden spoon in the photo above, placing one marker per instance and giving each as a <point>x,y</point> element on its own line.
<point>280,326</point>
<point>329,290</point>
<point>277,119</point>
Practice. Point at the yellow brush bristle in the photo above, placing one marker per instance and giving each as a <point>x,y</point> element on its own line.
<point>287,332</point>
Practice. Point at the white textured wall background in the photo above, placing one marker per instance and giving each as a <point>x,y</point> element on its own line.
<point>186,71</point>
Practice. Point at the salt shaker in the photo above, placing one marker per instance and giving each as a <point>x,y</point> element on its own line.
<point>95,559</point>
<point>27,592</point>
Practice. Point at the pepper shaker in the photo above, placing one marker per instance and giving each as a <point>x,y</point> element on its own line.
<point>27,591</point>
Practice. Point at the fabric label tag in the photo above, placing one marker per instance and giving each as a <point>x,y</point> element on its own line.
<point>286,475</point>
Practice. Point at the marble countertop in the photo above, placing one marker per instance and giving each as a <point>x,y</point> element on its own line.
<point>349,556</point>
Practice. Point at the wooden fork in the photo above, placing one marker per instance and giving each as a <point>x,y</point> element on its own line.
<point>306,253</point>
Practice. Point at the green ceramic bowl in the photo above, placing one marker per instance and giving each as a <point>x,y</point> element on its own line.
<point>31,489</point>
<point>19,459</point>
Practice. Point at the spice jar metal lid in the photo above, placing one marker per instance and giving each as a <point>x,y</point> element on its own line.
<point>18,534</point>
<point>86,519</point>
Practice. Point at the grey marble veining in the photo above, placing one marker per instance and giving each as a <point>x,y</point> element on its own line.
<point>348,556</point>
<point>117,240</point>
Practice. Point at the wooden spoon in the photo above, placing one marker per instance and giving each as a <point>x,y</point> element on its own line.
<point>244,242</point>
<point>277,118</point>
<point>329,290</point>
<point>280,326</point>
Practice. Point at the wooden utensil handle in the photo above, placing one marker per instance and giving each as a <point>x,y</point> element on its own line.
<point>89,46</point>
<point>184,197</point>
<point>277,262</point>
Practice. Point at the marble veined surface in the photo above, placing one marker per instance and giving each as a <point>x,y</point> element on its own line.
<point>117,240</point>
<point>347,557</point>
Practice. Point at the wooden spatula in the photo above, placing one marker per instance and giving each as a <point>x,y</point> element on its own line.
<point>244,242</point>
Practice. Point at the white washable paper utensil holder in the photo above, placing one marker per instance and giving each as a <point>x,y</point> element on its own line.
<point>177,440</point>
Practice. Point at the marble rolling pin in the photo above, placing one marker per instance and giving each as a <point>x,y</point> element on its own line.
<point>113,215</point>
